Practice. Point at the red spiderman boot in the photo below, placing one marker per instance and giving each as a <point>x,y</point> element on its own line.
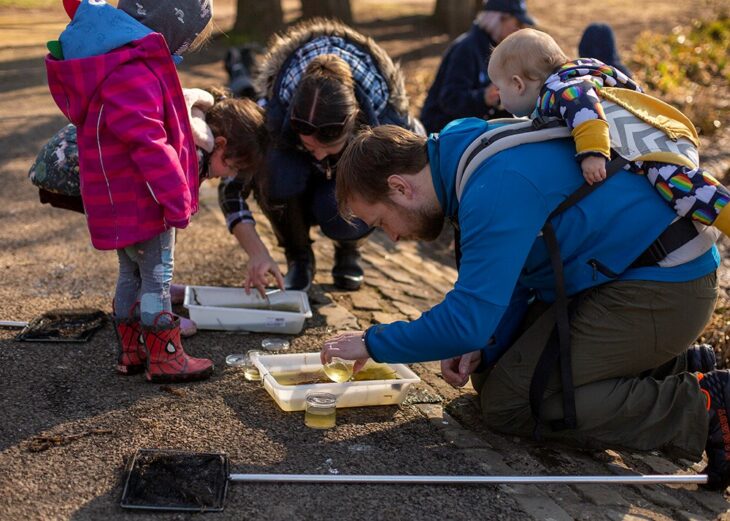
<point>166,359</point>
<point>132,355</point>
<point>131,359</point>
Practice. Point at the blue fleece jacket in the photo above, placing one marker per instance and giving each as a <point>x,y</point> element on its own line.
<point>502,210</point>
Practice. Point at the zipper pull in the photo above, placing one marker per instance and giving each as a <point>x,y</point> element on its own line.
<point>593,265</point>
<point>328,172</point>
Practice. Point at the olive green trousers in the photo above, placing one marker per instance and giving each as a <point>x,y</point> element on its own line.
<point>628,348</point>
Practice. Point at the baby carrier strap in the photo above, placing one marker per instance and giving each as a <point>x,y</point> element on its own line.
<point>511,133</point>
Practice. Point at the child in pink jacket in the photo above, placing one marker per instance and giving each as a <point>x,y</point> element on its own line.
<point>114,77</point>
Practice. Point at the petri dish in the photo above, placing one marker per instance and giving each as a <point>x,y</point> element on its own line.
<point>236,360</point>
<point>275,344</point>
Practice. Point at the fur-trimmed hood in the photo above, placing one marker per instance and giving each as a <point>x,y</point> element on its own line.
<point>281,47</point>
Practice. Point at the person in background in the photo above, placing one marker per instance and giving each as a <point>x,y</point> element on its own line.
<point>462,87</point>
<point>598,42</point>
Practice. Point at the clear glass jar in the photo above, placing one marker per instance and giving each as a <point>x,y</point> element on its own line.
<point>339,370</point>
<point>320,410</point>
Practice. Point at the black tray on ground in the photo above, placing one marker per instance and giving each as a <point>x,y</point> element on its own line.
<point>158,479</point>
<point>63,325</point>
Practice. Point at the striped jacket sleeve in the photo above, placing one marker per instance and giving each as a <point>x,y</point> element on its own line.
<point>232,194</point>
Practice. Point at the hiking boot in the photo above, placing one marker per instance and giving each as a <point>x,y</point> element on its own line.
<point>167,361</point>
<point>701,359</point>
<point>132,355</point>
<point>347,273</point>
<point>716,387</point>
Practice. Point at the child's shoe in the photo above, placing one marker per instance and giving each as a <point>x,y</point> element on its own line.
<point>131,359</point>
<point>187,327</point>
<point>716,387</point>
<point>166,359</point>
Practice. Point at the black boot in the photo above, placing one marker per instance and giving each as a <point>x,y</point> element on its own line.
<point>300,270</point>
<point>347,273</point>
<point>291,227</point>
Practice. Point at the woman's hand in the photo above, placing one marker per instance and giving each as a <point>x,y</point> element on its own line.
<point>258,270</point>
<point>348,346</point>
<point>456,371</point>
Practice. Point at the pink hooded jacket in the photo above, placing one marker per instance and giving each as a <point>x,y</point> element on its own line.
<point>137,161</point>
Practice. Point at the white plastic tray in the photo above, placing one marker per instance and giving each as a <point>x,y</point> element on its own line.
<point>349,394</point>
<point>206,305</point>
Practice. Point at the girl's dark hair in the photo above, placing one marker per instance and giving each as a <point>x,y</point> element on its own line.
<point>242,122</point>
<point>326,95</point>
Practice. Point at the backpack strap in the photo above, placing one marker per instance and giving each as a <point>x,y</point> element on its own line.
<point>511,133</point>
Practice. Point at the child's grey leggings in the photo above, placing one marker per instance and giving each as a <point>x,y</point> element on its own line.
<point>145,272</point>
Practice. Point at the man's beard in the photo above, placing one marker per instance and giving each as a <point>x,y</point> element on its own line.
<point>429,223</point>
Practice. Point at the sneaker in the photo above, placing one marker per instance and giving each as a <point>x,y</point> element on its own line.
<point>187,327</point>
<point>716,386</point>
<point>701,359</point>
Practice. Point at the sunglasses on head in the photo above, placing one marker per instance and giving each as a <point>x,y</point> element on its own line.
<point>326,130</point>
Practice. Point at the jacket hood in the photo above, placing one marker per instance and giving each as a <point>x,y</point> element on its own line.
<point>283,45</point>
<point>98,28</point>
<point>74,83</point>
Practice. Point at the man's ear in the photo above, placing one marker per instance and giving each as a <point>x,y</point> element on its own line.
<point>400,189</point>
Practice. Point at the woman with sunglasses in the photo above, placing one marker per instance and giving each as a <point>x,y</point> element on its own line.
<point>321,81</point>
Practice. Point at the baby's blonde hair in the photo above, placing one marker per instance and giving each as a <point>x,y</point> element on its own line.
<point>528,53</point>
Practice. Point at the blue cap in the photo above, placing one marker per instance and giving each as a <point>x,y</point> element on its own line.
<point>517,8</point>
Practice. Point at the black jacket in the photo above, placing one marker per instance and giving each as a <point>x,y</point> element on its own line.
<point>458,90</point>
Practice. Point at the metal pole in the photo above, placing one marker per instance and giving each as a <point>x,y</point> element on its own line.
<point>453,480</point>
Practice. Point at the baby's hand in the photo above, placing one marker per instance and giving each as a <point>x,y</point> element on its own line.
<point>594,169</point>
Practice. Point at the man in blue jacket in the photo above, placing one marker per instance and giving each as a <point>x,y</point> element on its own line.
<point>462,87</point>
<point>634,384</point>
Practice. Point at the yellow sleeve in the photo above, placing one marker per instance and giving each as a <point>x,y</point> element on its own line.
<point>722,222</point>
<point>592,136</point>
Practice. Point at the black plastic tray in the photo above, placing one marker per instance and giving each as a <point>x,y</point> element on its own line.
<point>158,479</point>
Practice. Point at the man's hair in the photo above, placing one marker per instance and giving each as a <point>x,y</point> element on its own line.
<point>529,53</point>
<point>371,158</point>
